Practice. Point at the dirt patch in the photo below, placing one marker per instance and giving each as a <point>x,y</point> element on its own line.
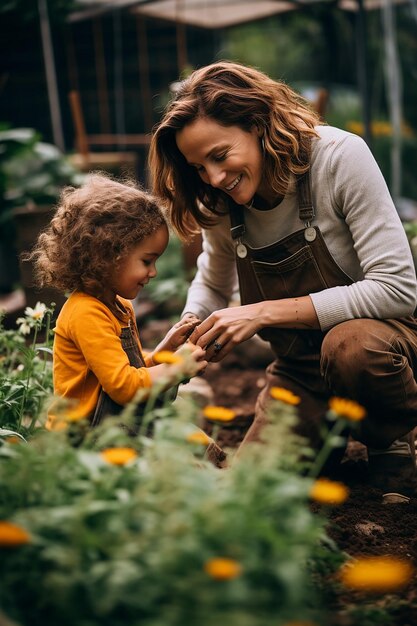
<point>361,526</point>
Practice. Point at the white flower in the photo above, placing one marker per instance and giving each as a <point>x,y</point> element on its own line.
<point>24,327</point>
<point>37,313</point>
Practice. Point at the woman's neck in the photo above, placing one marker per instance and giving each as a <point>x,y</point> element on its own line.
<point>266,197</point>
<point>262,203</point>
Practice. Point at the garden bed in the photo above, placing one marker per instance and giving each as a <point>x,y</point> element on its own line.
<point>101,531</point>
<point>360,526</point>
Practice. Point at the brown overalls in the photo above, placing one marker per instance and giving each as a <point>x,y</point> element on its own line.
<point>368,360</point>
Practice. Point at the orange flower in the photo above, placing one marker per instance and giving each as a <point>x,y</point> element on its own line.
<point>379,128</point>
<point>13,439</point>
<point>166,356</point>
<point>12,535</point>
<point>222,569</point>
<point>376,573</point>
<point>199,437</point>
<point>284,395</point>
<point>119,456</point>
<point>348,409</point>
<point>219,414</point>
<point>329,492</point>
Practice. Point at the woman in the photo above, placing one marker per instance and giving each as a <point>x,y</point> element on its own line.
<point>302,211</point>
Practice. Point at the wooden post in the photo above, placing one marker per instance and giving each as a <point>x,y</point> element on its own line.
<point>51,82</point>
<point>103,93</point>
<point>78,120</point>
<point>145,87</point>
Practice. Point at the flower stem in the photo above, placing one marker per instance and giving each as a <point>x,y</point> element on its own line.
<point>29,365</point>
<point>327,448</point>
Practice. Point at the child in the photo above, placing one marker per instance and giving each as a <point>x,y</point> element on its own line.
<point>102,246</point>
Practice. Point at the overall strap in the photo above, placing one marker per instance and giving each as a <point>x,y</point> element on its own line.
<point>237,221</point>
<point>305,200</point>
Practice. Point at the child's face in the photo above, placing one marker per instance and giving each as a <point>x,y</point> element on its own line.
<point>137,269</point>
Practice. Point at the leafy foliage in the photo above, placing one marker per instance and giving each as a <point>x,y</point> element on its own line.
<point>25,372</point>
<point>115,545</point>
<point>169,288</point>
<point>31,171</point>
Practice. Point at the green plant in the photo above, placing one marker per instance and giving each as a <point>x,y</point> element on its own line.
<point>31,171</point>
<point>25,371</point>
<point>32,174</point>
<point>161,538</point>
<point>169,289</point>
<point>119,530</point>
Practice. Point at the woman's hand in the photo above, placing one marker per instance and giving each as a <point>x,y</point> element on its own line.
<point>226,328</point>
<point>178,334</point>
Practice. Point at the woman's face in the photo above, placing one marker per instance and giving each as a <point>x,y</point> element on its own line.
<point>226,157</point>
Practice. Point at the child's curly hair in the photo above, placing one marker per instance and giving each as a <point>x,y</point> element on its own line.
<point>93,229</point>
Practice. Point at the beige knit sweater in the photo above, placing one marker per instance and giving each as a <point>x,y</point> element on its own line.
<point>360,226</point>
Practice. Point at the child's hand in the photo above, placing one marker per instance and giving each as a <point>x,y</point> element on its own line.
<point>192,362</point>
<point>178,334</point>
<point>194,359</point>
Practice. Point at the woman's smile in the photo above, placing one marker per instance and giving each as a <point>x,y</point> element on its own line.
<point>234,183</point>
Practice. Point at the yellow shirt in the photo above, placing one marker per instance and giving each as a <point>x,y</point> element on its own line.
<point>88,356</point>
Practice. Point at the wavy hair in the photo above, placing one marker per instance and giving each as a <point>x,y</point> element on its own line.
<point>93,229</point>
<point>232,95</point>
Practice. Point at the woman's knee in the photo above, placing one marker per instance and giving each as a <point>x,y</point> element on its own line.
<point>354,348</point>
<point>344,343</point>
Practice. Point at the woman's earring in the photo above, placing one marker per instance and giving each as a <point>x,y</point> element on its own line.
<point>263,144</point>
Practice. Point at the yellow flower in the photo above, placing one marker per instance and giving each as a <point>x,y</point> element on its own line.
<point>119,456</point>
<point>166,356</point>
<point>219,414</point>
<point>222,569</point>
<point>199,437</point>
<point>284,395</point>
<point>13,439</point>
<point>328,491</point>
<point>376,573</point>
<point>348,409</point>
<point>12,535</point>
<point>379,128</point>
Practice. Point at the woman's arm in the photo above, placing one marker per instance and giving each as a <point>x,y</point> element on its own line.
<point>364,233</point>
<point>229,327</point>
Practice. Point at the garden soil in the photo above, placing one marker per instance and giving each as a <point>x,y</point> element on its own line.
<point>362,526</point>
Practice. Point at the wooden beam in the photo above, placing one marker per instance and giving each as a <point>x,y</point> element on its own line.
<point>114,139</point>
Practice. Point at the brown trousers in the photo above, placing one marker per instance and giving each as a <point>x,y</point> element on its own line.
<point>368,360</point>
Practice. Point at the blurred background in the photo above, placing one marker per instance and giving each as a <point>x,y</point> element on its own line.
<point>83,82</point>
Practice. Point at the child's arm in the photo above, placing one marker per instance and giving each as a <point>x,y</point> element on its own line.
<point>92,336</point>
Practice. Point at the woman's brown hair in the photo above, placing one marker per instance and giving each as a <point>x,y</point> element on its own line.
<point>94,227</point>
<point>232,95</point>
